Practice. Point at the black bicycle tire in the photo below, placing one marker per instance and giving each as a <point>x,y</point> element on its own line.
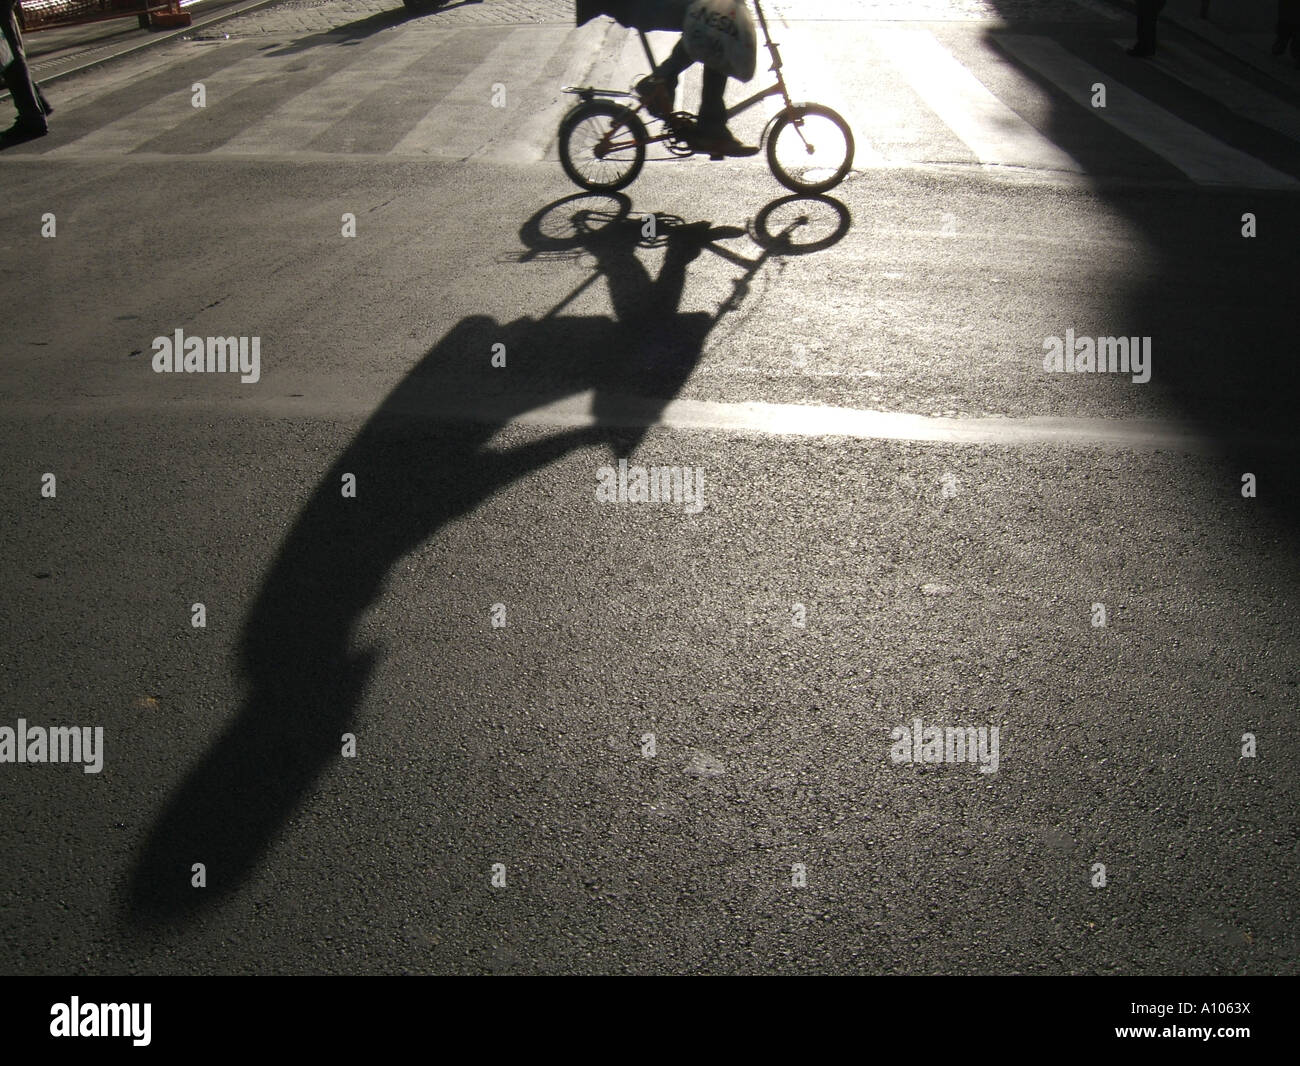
<point>784,119</point>
<point>627,117</point>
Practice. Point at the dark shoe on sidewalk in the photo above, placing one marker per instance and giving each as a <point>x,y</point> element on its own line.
<point>1141,53</point>
<point>25,129</point>
<point>720,142</point>
<point>1279,46</point>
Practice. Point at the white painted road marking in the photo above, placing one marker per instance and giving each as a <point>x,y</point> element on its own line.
<point>774,419</point>
<point>990,129</point>
<point>1198,155</point>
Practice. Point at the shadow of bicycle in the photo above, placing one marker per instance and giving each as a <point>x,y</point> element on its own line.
<point>421,462</point>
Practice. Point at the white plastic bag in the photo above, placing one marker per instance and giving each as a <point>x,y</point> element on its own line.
<point>720,34</point>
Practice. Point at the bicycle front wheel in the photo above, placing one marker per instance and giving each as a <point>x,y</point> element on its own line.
<point>809,148</point>
<point>602,145</point>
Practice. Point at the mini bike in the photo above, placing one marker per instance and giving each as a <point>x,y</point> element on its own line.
<point>602,140</point>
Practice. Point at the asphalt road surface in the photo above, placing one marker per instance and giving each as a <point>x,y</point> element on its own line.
<point>595,736</point>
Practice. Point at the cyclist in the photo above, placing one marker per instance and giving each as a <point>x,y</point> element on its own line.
<point>28,99</point>
<point>658,89</point>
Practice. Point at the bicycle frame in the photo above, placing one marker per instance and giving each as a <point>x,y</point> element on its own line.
<point>776,89</point>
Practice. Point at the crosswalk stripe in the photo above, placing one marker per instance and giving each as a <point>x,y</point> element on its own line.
<point>1235,94</point>
<point>301,118</point>
<point>995,133</point>
<point>1198,155</point>
<point>170,111</point>
<point>119,90</point>
<point>839,73</point>
<point>544,101</point>
<point>67,94</point>
<point>465,118</point>
<point>622,62</point>
<point>535,102</point>
<point>1103,9</point>
<point>891,124</point>
<point>1259,42</point>
<point>428,93</point>
<point>381,117</point>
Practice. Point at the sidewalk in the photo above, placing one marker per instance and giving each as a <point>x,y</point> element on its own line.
<point>56,52</point>
<point>1242,28</point>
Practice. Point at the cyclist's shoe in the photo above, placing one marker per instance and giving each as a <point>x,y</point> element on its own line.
<point>720,141</point>
<point>657,94</point>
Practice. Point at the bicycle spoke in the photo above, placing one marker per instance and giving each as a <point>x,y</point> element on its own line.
<point>811,150</point>
<point>596,152</point>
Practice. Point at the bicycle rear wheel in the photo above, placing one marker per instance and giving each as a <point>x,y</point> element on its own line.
<point>602,145</point>
<point>809,148</point>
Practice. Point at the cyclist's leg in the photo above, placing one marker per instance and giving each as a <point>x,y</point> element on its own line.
<point>713,109</point>
<point>17,79</point>
<point>678,60</point>
<point>658,89</point>
<point>712,136</point>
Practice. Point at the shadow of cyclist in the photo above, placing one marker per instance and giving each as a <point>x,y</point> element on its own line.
<point>419,463</point>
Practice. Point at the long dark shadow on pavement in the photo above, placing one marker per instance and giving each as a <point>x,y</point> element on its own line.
<point>1220,308</point>
<point>415,472</point>
<point>360,29</point>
